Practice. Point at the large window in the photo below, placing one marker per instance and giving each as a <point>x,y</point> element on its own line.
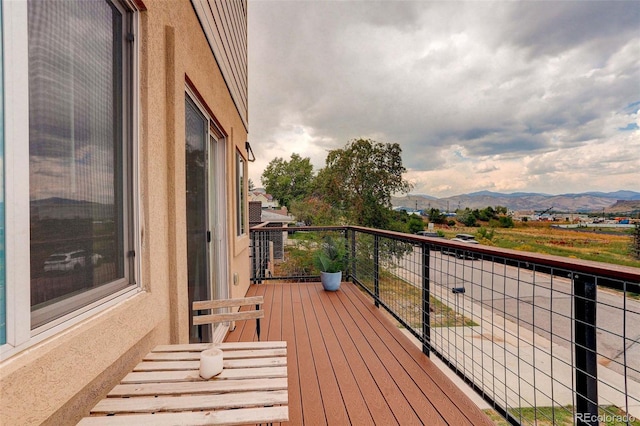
<point>78,126</point>
<point>78,151</point>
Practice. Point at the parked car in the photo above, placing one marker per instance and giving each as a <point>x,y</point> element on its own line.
<point>465,238</point>
<point>427,234</point>
<point>70,261</point>
<point>462,254</point>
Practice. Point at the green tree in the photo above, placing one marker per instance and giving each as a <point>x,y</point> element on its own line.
<point>360,178</point>
<point>289,180</point>
<point>436,216</point>
<point>415,224</point>
<point>467,216</point>
<point>501,210</point>
<point>506,222</point>
<point>314,211</point>
<point>401,221</point>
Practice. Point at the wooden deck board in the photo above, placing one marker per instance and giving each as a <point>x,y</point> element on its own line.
<point>375,400</point>
<point>348,364</point>
<point>313,410</point>
<point>355,404</point>
<point>329,389</point>
<point>288,333</point>
<point>440,403</point>
<point>378,369</point>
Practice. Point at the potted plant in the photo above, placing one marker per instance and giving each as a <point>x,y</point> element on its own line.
<point>331,260</point>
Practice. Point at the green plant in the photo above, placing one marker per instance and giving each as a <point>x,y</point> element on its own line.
<point>486,234</point>
<point>331,256</point>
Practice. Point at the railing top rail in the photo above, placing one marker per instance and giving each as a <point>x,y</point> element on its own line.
<point>264,226</point>
<point>620,272</point>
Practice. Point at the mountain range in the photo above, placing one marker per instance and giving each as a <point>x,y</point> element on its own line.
<point>609,202</point>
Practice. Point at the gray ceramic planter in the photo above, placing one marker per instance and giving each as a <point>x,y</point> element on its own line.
<point>331,280</point>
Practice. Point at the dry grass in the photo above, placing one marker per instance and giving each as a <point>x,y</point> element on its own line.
<point>540,237</point>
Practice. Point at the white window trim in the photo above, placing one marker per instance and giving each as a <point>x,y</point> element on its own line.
<point>220,229</point>
<point>19,335</point>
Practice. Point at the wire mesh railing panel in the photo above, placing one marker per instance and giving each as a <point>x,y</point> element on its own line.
<point>287,254</point>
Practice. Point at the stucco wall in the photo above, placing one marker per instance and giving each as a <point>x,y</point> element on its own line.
<point>60,379</point>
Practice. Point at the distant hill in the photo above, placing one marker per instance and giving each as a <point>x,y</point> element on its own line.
<point>584,202</point>
<point>624,206</point>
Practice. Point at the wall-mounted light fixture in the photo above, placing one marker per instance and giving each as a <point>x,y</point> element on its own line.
<point>250,155</point>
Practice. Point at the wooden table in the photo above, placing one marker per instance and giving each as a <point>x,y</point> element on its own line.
<point>166,388</point>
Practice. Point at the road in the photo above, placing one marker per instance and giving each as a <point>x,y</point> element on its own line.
<point>535,301</point>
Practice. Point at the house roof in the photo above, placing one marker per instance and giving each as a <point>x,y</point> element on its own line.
<point>272,216</point>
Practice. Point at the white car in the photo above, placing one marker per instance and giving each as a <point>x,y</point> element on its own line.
<point>71,261</point>
<point>463,238</point>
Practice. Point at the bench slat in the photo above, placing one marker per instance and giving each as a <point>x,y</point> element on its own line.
<point>191,356</point>
<point>211,386</point>
<point>195,364</point>
<point>198,418</point>
<point>227,303</point>
<point>231,346</point>
<point>232,316</point>
<point>193,375</point>
<point>193,402</point>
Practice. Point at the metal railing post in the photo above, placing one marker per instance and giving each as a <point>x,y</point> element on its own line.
<point>254,260</point>
<point>426,305</point>
<point>263,251</point>
<point>352,259</point>
<point>586,369</point>
<point>376,269</point>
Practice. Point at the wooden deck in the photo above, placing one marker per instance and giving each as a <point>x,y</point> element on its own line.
<point>348,364</point>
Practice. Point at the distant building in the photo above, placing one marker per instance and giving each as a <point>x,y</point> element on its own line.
<point>267,201</point>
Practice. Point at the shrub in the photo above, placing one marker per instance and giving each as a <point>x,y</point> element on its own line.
<point>332,255</point>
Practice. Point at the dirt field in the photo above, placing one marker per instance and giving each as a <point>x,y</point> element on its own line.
<point>540,237</point>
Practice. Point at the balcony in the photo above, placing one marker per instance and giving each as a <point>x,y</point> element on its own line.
<point>541,339</point>
<point>348,364</point>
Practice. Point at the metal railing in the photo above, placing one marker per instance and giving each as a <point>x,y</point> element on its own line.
<point>540,338</point>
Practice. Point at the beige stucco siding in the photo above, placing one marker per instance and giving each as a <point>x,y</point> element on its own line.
<point>59,379</point>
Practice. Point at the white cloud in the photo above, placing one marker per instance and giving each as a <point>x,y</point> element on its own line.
<point>531,104</point>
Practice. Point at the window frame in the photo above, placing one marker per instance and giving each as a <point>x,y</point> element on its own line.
<point>19,333</point>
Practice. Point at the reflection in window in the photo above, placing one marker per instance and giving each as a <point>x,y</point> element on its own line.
<point>240,194</point>
<point>77,205</point>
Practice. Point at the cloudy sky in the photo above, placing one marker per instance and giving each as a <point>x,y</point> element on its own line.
<point>500,96</point>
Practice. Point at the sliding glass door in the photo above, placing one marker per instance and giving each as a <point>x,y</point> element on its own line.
<point>205,201</point>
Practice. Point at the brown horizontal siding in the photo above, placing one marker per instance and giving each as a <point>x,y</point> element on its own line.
<point>348,364</point>
<point>224,23</point>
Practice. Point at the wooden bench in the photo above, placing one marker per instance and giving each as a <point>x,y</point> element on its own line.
<point>165,388</point>
<point>240,315</point>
